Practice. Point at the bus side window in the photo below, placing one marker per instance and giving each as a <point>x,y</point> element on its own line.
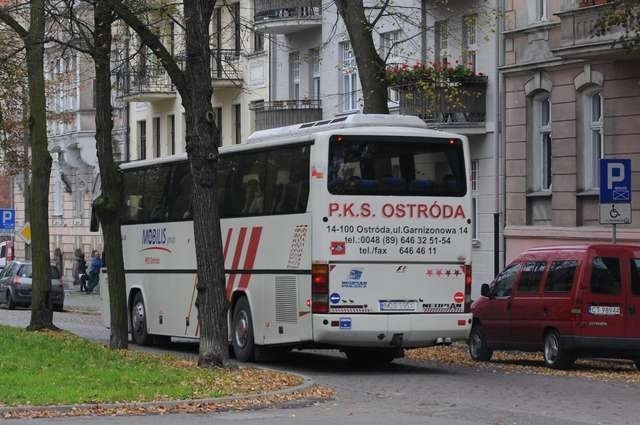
<point>133,190</point>
<point>287,183</point>
<point>246,187</point>
<point>223,183</point>
<point>156,184</point>
<point>179,197</point>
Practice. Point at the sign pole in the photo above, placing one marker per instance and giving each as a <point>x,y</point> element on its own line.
<point>613,236</point>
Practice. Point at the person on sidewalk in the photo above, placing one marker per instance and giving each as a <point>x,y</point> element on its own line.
<point>94,271</point>
<point>82,273</point>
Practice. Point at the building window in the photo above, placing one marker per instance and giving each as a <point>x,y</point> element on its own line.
<point>441,41</point>
<point>156,137</point>
<point>58,194</point>
<point>594,145</point>
<point>78,198</point>
<point>315,73</point>
<point>475,211</point>
<point>294,75</point>
<point>142,139</point>
<point>172,133</point>
<point>237,115</point>
<point>543,141</point>
<point>258,41</point>
<point>541,10</point>
<point>470,40</point>
<point>349,78</point>
<point>389,44</point>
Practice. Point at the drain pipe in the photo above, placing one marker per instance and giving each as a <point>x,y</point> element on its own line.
<point>497,135</point>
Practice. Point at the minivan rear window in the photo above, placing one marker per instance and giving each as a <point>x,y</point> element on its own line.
<point>635,276</point>
<point>605,276</point>
<point>26,271</point>
<point>561,275</point>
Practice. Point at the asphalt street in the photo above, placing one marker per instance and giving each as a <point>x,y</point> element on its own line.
<point>405,392</point>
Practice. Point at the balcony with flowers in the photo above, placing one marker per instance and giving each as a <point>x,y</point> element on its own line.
<point>444,96</point>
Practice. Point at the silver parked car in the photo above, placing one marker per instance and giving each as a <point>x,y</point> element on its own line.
<point>15,286</point>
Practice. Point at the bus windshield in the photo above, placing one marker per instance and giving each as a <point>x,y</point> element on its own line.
<point>366,165</point>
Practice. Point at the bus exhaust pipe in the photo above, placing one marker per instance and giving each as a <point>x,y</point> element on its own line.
<point>443,341</point>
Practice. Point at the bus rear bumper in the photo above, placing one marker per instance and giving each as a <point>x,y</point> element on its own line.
<point>381,330</point>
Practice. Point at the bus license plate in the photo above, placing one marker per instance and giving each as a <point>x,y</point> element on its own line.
<point>398,305</point>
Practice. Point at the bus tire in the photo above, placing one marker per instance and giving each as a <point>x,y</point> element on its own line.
<point>242,331</point>
<point>478,348</point>
<point>373,357</point>
<point>139,321</point>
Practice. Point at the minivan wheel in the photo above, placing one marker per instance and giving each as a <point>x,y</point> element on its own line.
<point>555,356</point>
<point>242,332</point>
<point>139,321</point>
<point>478,348</point>
<point>11,304</point>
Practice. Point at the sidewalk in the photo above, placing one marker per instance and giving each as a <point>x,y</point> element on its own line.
<point>80,301</point>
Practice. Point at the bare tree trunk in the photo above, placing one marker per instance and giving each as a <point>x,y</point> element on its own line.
<point>371,67</point>
<point>194,86</point>
<point>41,312</point>
<point>110,201</point>
<point>202,148</point>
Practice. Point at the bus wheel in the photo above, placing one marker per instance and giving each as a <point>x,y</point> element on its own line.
<point>139,321</point>
<point>243,344</point>
<point>364,357</point>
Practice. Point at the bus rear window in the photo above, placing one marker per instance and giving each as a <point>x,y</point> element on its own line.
<point>399,166</point>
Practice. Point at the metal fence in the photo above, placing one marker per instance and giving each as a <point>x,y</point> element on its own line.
<point>275,9</point>
<point>280,113</point>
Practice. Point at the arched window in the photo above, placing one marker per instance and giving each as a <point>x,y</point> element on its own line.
<point>594,140</point>
<point>542,141</point>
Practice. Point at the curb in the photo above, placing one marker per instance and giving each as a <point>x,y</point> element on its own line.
<point>148,406</point>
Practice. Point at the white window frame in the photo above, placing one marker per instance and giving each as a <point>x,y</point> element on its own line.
<point>441,40</point>
<point>389,44</point>
<point>542,10</point>
<point>349,80</point>
<point>294,75</point>
<point>314,68</point>
<point>470,40</point>
<point>593,147</point>
<point>543,140</point>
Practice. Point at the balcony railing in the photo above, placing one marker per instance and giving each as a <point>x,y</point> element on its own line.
<point>578,20</point>
<point>145,84</point>
<point>225,67</point>
<point>280,113</point>
<point>464,107</point>
<point>285,16</point>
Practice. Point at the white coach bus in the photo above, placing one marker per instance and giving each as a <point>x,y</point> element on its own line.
<point>352,233</point>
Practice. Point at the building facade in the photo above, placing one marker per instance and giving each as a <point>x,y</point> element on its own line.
<point>570,98</point>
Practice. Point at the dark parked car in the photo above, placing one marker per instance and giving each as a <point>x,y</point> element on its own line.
<point>566,301</point>
<point>15,286</point>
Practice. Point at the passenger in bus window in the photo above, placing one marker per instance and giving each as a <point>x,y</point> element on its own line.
<point>254,198</point>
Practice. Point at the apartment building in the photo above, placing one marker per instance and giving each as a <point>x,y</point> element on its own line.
<point>239,70</point>
<point>571,98</point>
<point>314,76</point>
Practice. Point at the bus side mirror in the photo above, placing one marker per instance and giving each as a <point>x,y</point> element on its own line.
<point>485,290</point>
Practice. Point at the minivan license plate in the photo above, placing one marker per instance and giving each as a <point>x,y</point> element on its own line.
<point>398,305</point>
<point>604,310</point>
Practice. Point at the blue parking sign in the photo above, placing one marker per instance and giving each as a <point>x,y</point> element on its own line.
<point>7,219</point>
<point>615,181</point>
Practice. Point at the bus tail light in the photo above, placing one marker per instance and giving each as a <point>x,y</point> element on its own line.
<point>467,288</point>
<point>320,288</point>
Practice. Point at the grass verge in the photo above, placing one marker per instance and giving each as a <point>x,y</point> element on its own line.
<point>46,368</point>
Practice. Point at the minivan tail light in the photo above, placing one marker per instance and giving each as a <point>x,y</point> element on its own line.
<point>467,288</point>
<point>320,288</point>
<point>576,307</point>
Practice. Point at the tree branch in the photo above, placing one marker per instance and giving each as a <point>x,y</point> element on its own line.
<point>380,14</point>
<point>10,21</point>
<point>152,41</point>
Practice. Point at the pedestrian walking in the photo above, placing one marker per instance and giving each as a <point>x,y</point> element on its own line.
<point>82,273</point>
<point>94,271</point>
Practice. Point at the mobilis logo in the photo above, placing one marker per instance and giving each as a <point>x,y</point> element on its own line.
<point>152,238</point>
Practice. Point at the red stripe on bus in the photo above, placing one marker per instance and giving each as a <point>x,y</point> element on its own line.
<point>227,242</point>
<point>236,260</point>
<point>254,241</point>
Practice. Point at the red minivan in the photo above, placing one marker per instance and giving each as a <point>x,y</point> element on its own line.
<point>566,301</point>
